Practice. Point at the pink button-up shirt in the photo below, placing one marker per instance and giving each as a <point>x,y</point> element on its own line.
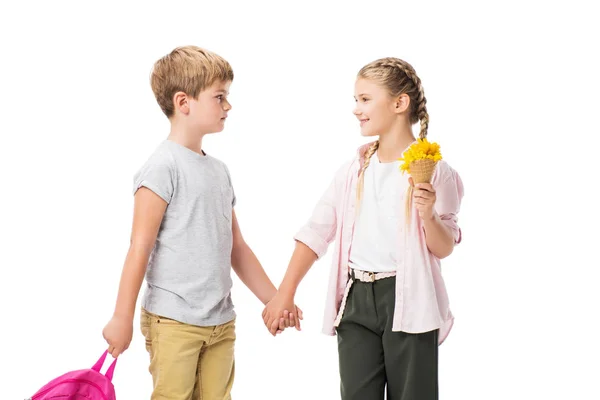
<point>421,299</point>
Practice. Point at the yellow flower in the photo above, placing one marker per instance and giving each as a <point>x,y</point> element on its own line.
<point>420,150</point>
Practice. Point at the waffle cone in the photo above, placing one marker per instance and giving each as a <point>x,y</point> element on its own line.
<point>422,170</point>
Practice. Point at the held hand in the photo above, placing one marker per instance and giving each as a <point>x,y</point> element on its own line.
<point>289,319</point>
<point>276,315</point>
<point>424,199</point>
<point>293,319</point>
<point>118,333</point>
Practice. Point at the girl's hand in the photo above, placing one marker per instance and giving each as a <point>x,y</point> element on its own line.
<point>276,315</point>
<point>118,333</point>
<point>424,199</point>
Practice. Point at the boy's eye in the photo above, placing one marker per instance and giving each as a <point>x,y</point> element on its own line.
<point>220,97</point>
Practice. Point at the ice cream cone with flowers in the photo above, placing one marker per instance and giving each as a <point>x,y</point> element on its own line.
<point>419,161</point>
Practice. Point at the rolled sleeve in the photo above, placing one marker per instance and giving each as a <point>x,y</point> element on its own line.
<point>313,240</point>
<point>157,175</point>
<point>449,194</point>
<point>319,231</point>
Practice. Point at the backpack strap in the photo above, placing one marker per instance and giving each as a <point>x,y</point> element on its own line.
<point>110,371</point>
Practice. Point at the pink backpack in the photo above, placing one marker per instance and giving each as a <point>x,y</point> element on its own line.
<point>84,384</point>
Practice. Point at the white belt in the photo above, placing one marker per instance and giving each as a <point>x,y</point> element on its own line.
<point>367,276</point>
<point>363,276</point>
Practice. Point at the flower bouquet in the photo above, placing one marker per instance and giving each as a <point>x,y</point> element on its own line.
<point>419,161</point>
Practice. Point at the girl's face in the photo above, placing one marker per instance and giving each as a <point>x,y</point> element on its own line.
<point>375,108</point>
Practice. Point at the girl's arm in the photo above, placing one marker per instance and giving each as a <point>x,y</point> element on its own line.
<point>148,213</point>
<point>438,237</point>
<point>438,205</point>
<point>312,242</point>
<point>302,260</point>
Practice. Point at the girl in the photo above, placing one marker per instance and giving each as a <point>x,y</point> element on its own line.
<point>387,301</point>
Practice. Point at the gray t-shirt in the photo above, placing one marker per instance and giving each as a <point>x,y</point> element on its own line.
<point>189,271</point>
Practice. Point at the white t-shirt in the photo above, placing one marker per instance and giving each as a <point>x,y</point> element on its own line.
<point>376,232</point>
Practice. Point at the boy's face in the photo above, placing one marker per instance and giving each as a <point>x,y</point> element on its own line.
<point>209,111</point>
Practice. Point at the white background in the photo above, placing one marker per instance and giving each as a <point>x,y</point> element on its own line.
<point>512,95</point>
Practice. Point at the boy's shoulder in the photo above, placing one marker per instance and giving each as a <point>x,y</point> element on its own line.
<point>168,155</point>
<point>221,164</point>
<point>162,155</point>
<point>217,160</point>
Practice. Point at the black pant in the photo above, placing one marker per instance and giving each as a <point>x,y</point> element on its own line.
<point>371,355</point>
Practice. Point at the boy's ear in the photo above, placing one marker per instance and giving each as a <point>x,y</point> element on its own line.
<point>402,103</point>
<point>181,102</point>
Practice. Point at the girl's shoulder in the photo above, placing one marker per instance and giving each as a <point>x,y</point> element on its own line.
<point>444,172</point>
<point>344,170</point>
<point>352,164</point>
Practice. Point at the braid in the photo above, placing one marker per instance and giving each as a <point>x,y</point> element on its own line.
<point>422,114</point>
<point>380,69</point>
<point>361,174</point>
<point>421,106</point>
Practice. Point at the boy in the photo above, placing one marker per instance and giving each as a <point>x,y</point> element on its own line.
<point>185,240</point>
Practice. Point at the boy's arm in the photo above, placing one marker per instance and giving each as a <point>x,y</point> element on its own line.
<point>248,268</point>
<point>148,213</point>
<point>251,273</point>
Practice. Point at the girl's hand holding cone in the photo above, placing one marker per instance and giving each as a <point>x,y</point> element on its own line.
<point>423,199</point>
<point>419,161</point>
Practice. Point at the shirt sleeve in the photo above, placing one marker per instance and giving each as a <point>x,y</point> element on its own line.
<point>319,231</point>
<point>158,175</point>
<point>449,193</point>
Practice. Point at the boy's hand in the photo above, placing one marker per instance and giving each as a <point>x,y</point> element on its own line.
<point>424,199</point>
<point>118,333</point>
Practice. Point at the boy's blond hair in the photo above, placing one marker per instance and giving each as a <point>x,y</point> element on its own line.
<point>188,69</point>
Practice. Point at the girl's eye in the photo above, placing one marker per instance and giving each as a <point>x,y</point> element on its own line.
<point>364,99</point>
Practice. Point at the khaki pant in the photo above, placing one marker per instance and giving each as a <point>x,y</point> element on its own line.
<point>189,362</point>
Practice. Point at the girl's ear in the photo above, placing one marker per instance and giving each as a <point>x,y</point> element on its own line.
<point>402,103</point>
